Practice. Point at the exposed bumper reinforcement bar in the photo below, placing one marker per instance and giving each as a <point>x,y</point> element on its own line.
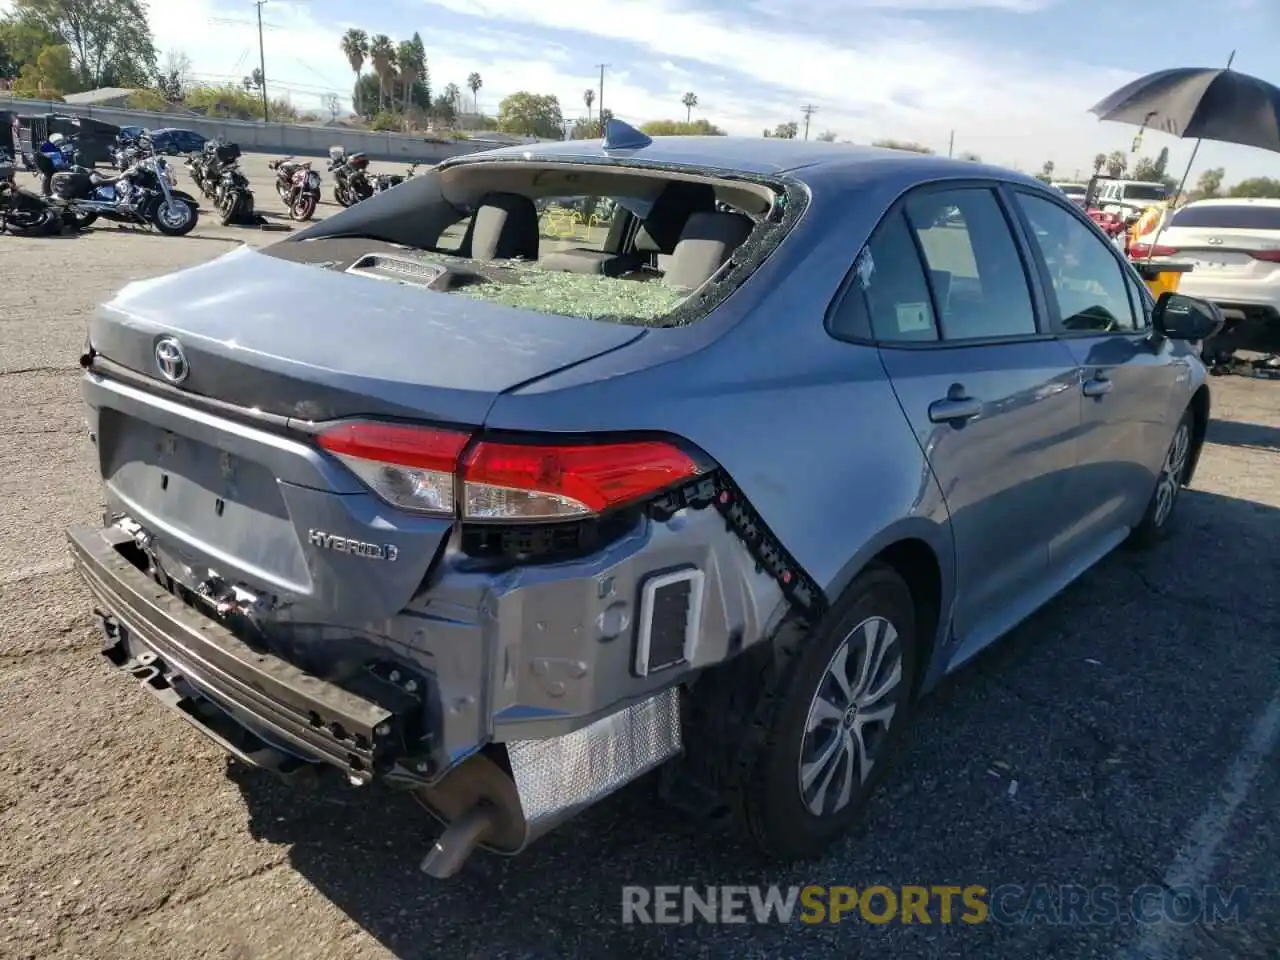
<point>313,717</point>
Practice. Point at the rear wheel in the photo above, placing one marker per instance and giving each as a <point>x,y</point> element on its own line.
<point>343,196</point>
<point>837,720</point>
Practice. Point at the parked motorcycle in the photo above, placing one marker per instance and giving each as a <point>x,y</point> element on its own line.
<point>351,182</point>
<point>23,211</point>
<point>232,195</point>
<point>144,195</point>
<point>126,152</point>
<point>298,186</point>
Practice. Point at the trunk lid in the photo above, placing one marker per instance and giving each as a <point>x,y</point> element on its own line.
<point>315,344</point>
<point>231,504</point>
<point>1225,251</point>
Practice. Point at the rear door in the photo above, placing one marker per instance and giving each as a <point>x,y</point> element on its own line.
<point>991,397</point>
<point>1126,379</point>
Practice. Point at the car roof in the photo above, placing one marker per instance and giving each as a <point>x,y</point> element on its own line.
<point>757,156</point>
<point>1234,202</point>
<point>175,130</point>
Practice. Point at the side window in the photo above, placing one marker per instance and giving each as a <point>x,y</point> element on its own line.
<point>978,278</point>
<point>1089,283</point>
<point>889,293</point>
<point>451,238</point>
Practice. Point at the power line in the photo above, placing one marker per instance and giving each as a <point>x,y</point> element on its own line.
<point>808,110</point>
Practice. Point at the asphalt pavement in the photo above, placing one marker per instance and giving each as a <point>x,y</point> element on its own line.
<point>1123,739</point>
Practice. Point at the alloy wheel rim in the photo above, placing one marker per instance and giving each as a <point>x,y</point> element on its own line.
<point>849,716</point>
<point>1175,464</point>
<point>175,213</point>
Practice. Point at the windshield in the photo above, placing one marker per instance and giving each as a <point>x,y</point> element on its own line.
<point>1244,216</point>
<point>1145,191</point>
<point>1072,189</point>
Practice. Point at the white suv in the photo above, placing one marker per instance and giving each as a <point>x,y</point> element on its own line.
<point>1234,248</point>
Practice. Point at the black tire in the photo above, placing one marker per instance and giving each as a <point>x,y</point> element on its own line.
<point>1159,520</point>
<point>343,196</point>
<point>304,207</point>
<point>776,807</point>
<point>227,209</point>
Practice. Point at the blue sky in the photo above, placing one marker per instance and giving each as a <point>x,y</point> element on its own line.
<point>1013,78</point>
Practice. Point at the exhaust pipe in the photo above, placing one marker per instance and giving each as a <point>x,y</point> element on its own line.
<point>481,804</point>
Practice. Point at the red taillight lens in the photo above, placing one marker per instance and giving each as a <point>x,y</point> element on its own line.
<point>409,467</point>
<point>507,481</point>
<point>1140,251</point>
<point>1270,256</point>
<point>419,469</point>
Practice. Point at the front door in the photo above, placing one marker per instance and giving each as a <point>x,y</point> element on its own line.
<point>991,398</point>
<point>1126,378</point>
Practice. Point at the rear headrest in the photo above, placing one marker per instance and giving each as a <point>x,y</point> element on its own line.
<point>504,227</point>
<point>662,228</point>
<point>707,243</point>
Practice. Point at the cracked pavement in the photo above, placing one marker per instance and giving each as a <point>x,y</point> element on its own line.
<point>1121,711</point>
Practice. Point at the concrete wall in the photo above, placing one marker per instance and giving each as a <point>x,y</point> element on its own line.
<point>270,137</point>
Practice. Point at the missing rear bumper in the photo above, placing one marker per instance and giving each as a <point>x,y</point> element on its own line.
<point>182,656</point>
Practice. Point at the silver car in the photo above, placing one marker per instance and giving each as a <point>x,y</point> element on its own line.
<point>427,495</point>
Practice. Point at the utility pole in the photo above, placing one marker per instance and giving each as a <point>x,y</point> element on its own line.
<point>951,144</point>
<point>600,97</point>
<point>262,62</point>
<point>808,110</point>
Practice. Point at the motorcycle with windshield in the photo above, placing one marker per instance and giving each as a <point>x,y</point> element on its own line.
<point>145,194</point>
<point>298,186</point>
<point>350,176</point>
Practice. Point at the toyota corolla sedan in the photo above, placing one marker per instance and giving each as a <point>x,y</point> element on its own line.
<point>429,495</point>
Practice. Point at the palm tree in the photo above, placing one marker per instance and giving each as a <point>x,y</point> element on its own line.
<point>409,65</point>
<point>474,83</point>
<point>383,56</point>
<point>588,97</point>
<point>690,100</point>
<point>1117,163</point>
<point>1099,162</point>
<point>355,46</point>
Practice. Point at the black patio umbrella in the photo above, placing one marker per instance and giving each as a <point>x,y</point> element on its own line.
<point>1200,103</point>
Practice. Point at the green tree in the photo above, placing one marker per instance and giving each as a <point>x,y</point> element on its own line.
<point>1268,187</point>
<point>682,128</point>
<point>689,101</point>
<point>174,77</point>
<point>383,56</point>
<point>148,99</point>
<point>588,98</point>
<point>1099,161</point>
<point>1117,163</point>
<point>50,77</point>
<point>411,63</point>
<point>910,146</point>
<point>531,115</point>
<point>1210,183</point>
<point>826,136</point>
<point>355,47</point>
<point>474,83</point>
<point>1161,167</point>
<point>444,110</point>
<point>21,43</point>
<point>1046,172</point>
<point>110,42</point>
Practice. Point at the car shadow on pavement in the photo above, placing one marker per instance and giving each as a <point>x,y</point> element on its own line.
<point>1077,751</point>
<point>1236,433</point>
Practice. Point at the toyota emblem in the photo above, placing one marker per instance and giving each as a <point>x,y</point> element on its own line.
<point>171,360</point>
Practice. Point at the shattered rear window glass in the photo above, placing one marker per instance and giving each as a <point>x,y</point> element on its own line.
<point>580,295</point>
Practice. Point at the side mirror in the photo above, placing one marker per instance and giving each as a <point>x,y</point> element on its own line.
<point>1179,317</point>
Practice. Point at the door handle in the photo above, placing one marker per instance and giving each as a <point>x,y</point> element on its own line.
<point>954,409</point>
<point>1097,387</point>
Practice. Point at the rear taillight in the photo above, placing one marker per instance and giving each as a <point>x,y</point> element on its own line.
<point>1270,256</point>
<point>409,467</point>
<point>1141,251</point>
<point>423,469</point>
<point>503,481</point>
